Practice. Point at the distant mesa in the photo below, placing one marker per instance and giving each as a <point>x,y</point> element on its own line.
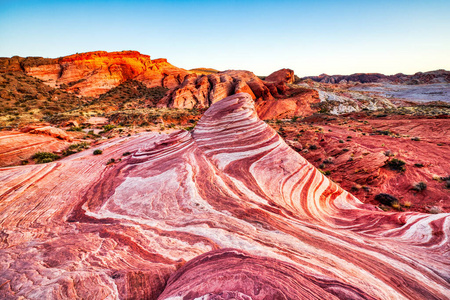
<point>438,76</point>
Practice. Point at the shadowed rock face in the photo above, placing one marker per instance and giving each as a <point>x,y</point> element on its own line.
<point>79,228</point>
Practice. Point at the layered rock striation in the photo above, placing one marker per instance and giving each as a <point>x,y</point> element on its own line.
<point>227,210</point>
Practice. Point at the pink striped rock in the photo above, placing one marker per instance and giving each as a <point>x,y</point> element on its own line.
<point>227,211</point>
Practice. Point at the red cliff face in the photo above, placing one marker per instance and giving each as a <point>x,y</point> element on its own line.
<point>94,73</point>
<point>159,223</point>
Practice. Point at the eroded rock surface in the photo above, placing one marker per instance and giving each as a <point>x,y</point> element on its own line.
<point>79,228</point>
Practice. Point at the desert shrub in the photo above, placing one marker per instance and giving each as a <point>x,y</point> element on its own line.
<point>341,141</point>
<point>126,153</point>
<point>327,172</point>
<point>74,148</point>
<point>75,128</point>
<point>110,161</point>
<point>415,139</point>
<point>98,152</point>
<point>396,164</point>
<point>388,153</point>
<point>418,165</point>
<point>420,186</point>
<point>447,184</point>
<point>313,147</point>
<point>44,157</point>
<point>386,199</point>
<point>108,127</point>
<point>382,132</point>
<point>328,160</point>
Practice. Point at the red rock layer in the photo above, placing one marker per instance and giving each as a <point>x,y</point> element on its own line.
<point>80,228</point>
<point>94,73</point>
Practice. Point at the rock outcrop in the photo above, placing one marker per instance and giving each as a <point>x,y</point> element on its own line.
<point>94,73</point>
<point>82,228</point>
<point>299,102</point>
<point>204,90</point>
<point>281,76</point>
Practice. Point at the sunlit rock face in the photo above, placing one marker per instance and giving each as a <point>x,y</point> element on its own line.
<point>94,73</point>
<point>227,211</point>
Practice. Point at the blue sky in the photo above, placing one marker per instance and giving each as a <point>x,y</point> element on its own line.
<point>311,37</point>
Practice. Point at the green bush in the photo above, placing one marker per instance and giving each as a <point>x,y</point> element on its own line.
<point>108,127</point>
<point>98,152</point>
<point>44,157</point>
<point>74,148</point>
<point>420,186</point>
<point>396,165</point>
<point>74,128</point>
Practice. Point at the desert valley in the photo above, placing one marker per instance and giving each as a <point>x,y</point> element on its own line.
<point>126,177</point>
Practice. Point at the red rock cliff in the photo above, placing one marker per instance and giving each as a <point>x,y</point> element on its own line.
<point>94,73</point>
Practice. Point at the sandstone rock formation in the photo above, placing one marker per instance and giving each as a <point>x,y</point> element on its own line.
<point>48,130</point>
<point>204,90</point>
<point>17,147</point>
<point>82,228</point>
<point>94,73</point>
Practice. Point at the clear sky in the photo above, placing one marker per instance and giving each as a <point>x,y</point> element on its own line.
<point>311,37</point>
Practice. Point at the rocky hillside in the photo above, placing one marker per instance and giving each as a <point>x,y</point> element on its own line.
<point>226,211</point>
<point>438,76</point>
<point>101,82</point>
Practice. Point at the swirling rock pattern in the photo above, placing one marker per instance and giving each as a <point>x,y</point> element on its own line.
<point>254,219</point>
